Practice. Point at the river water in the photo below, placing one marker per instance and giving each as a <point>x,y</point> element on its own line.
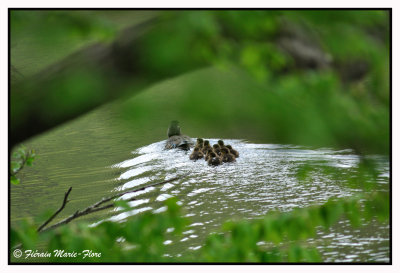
<point>97,158</point>
<point>261,180</point>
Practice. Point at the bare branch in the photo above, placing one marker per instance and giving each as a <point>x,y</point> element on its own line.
<point>104,200</point>
<point>96,206</point>
<point>57,212</point>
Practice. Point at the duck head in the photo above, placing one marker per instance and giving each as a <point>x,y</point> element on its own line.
<point>174,129</point>
<point>199,143</point>
<point>233,151</point>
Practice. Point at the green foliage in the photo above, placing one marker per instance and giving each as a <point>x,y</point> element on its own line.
<point>57,24</point>
<point>294,102</point>
<point>276,237</point>
<point>186,40</point>
<point>285,100</point>
<point>43,37</point>
<point>250,38</point>
<point>21,157</point>
<point>25,233</point>
<point>284,234</point>
<point>282,101</point>
<point>363,176</point>
<point>378,206</point>
<point>14,180</point>
<point>304,109</point>
<point>138,239</point>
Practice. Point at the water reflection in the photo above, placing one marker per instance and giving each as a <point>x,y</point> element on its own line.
<point>263,178</point>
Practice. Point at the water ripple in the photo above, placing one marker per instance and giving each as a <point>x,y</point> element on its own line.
<point>263,178</point>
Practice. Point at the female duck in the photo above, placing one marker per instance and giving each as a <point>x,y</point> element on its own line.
<point>176,139</point>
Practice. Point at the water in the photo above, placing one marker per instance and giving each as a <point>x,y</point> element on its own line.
<point>264,178</point>
<point>98,158</point>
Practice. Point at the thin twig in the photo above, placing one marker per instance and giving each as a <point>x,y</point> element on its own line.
<point>96,206</point>
<point>104,200</point>
<point>58,211</point>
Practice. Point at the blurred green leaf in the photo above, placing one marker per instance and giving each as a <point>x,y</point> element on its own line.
<point>15,166</point>
<point>14,180</point>
<point>123,204</point>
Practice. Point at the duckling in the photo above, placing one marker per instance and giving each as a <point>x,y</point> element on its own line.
<point>221,144</point>
<point>176,139</point>
<point>217,149</point>
<point>207,155</point>
<point>199,143</point>
<point>214,160</point>
<point>227,156</point>
<point>233,151</point>
<point>196,154</point>
<point>206,146</point>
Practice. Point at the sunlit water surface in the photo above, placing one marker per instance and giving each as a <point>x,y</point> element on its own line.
<point>262,179</point>
<point>100,154</point>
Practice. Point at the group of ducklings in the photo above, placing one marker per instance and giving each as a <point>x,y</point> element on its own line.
<point>214,155</point>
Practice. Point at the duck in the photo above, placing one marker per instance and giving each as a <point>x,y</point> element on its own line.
<point>196,154</point>
<point>217,149</point>
<point>227,156</point>
<point>214,160</point>
<point>207,155</point>
<point>206,146</point>
<point>199,143</point>
<point>233,151</point>
<point>176,139</point>
<point>221,144</point>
